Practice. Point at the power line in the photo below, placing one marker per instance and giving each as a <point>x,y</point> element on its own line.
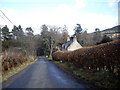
<point>6,17</point>
<point>2,17</point>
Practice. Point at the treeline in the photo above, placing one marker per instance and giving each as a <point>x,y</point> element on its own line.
<point>28,45</point>
<point>100,57</point>
<point>17,38</point>
<point>49,37</point>
<point>20,45</point>
<point>90,39</point>
<point>17,46</point>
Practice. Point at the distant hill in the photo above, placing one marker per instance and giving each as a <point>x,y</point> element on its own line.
<point>112,30</point>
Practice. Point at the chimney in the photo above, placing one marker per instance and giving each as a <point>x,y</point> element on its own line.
<point>75,38</point>
<point>68,38</point>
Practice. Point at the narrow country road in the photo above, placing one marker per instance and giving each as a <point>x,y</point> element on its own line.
<point>42,74</point>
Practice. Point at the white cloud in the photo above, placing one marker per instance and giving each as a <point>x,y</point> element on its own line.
<point>63,14</point>
<point>9,12</point>
<point>94,20</point>
<point>71,15</point>
<point>80,3</point>
<point>112,3</point>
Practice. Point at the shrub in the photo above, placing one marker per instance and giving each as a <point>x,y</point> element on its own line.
<point>12,58</point>
<point>60,55</point>
<point>99,56</point>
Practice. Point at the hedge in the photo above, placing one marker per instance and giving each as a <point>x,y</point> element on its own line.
<point>104,56</point>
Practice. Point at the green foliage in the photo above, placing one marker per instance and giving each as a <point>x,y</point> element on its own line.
<point>105,40</point>
<point>6,38</point>
<point>5,33</point>
<point>29,31</point>
<point>78,28</point>
<point>97,30</point>
<point>6,44</point>
<point>18,38</point>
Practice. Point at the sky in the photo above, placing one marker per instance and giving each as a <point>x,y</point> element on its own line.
<point>90,14</point>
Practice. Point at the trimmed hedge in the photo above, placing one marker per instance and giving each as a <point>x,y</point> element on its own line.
<point>60,55</point>
<point>104,56</point>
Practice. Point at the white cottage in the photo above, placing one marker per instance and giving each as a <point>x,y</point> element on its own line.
<point>71,45</point>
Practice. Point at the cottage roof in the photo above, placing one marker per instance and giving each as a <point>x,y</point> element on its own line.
<point>68,43</point>
<point>71,45</point>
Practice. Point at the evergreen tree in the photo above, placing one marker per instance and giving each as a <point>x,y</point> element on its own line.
<point>6,38</point>
<point>78,28</point>
<point>5,33</point>
<point>29,31</point>
<point>106,39</point>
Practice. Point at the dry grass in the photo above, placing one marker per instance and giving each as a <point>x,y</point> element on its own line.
<point>13,71</point>
<point>13,61</point>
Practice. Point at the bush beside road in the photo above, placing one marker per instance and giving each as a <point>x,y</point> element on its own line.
<point>99,64</point>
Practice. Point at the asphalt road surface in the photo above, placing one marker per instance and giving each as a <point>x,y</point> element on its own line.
<point>42,74</point>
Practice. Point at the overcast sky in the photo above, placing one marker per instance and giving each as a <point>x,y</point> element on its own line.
<point>90,14</point>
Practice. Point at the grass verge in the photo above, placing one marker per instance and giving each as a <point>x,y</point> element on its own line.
<point>6,75</point>
<point>99,79</point>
